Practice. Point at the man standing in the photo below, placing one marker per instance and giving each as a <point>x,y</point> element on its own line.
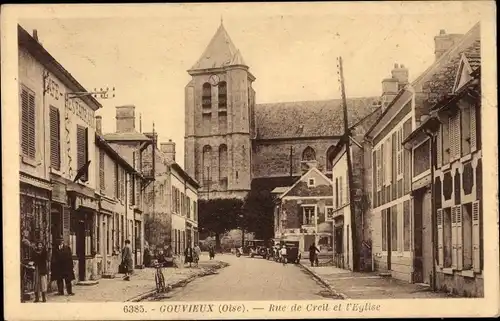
<point>313,250</point>
<point>127,260</point>
<point>62,267</point>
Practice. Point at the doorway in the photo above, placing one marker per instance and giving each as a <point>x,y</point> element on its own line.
<point>56,227</point>
<point>83,241</point>
<point>422,262</point>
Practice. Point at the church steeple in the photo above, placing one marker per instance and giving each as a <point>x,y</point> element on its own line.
<point>220,52</point>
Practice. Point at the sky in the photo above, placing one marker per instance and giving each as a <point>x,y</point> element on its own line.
<point>144,51</point>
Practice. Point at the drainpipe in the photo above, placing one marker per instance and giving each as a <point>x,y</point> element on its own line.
<point>433,211</point>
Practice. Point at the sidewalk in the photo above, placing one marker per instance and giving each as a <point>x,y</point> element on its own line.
<point>141,282</point>
<point>369,285</point>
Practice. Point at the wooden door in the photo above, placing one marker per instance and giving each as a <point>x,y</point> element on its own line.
<point>427,237</point>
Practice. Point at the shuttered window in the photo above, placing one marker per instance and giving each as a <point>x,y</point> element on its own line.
<point>455,140</point>
<point>440,239</point>
<point>102,182</point>
<point>439,148</point>
<point>379,169</point>
<point>132,190</point>
<point>399,153</point>
<point>473,129</point>
<point>459,238</point>
<point>341,192</point>
<point>388,162</point>
<point>117,179</point>
<point>477,240</point>
<point>55,138</point>
<point>82,149</point>
<point>28,117</point>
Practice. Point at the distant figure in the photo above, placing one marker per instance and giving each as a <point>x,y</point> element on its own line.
<point>283,254</point>
<point>127,260</point>
<point>313,258</point>
<point>211,251</point>
<point>197,254</point>
<point>147,257</point>
<point>62,267</point>
<point>188,255</point>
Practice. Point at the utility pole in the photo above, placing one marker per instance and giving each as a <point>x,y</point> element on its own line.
<point>347,141</point>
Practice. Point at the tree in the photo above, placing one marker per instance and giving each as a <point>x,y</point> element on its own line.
<point>157,231</point>
<point>259,213</point>
<point>219,216</point>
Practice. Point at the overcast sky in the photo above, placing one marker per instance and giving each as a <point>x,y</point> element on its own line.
<point>144,51</point>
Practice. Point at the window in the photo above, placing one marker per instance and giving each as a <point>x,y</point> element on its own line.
<point>329,213</point>
<point>223,162</point>
<point>446,141</point>
<point>102,182</point>
<point>399,154</point>
<point>467,236</point>
<point>195,211</point>
<point>132,190</point>
<point>181,206</point>
<point>406,226</point>
<point>222,95</point>
<point>465,118</point>
<point>378,162</point>
<point>308,215</point>
<point>394,229</point>
<point>329,158</point>
<point>384,230</point>
<point>28,123</point>
<point>309,154</point>
<point>207,96</point>
<point>207,152</point>
<point>336,192</point>
<point>454,136</point>
<point>117,181</point>
<point>55,138</point>
<point>341,192</point>
<point>388,161</point>
<point>310,182</point>
<point>82,149</point>
<point>188,206</point>
<point>421,158</point>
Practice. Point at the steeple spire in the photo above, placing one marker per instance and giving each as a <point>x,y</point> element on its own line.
<point>220,52</point>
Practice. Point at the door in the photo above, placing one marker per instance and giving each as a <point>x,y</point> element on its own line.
<point>56,230</point>
<point>418,273</point>
<point>80,246</point>
<point>427,237</point>
<point>104,243</point>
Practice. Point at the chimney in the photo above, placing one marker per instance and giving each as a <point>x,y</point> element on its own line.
<point>98,124</point>
<point>400,73</point>
<point>35,34</point>
<point>168,149</point>
<point>443,42</point>
<point>125,119</point>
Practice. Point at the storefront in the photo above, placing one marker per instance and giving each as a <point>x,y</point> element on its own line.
<point>35,223</point>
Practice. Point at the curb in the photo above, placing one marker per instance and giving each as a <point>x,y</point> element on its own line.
<point>324,282</point>
<point>178,283</point>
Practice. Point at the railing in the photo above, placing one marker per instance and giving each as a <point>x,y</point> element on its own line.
<point>338,260</point>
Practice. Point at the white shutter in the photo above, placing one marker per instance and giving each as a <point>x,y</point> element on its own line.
<point>389,160</point>
<point>377,153</point>
<point>453,239</point>
<point>341,192</point>
<point>440,237</point>
<point>476,237</point>
<point>451,135</point>
<point>439,148</point>
<point>473,130</point>
<point>460,253</point>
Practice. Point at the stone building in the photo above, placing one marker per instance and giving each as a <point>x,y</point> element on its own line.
<point>233,144</point>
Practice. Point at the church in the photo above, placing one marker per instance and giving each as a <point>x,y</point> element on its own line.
<point>234,144</point>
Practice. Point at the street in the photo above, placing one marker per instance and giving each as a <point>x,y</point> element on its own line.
<point>252,279</point>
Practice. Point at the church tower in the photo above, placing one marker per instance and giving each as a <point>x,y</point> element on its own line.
<point>219,106</point>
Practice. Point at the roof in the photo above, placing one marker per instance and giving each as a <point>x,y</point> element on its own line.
<point>440,85</point>
<point>220,52</point>
<point>309,118</point>
<point>101,142</point>
<point>312,169</point>
<point>45,58</point>
<point>126,136</point>
<point>184,174</point>
<point>280,189</point>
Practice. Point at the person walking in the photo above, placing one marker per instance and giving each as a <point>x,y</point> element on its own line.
<point>211,251</point>
<point>127,261</point>
<point>197,254</point>
<point>62,267</point>
<point>40,258</point>
<point>188,255</point>
<point>283,254</point>
<point>313,250</point>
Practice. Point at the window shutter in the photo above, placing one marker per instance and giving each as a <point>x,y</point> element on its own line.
<point>453,238</point>
<point>473,129</point>
<point>55,158</point>
<point>451,135</point>
<point>132,189</point>
<point>117,185</point>
<point>476,237</point>
<point>439,148</point>
<point>28,139</point>
<point>341,193</point>
<point>440,237</point>
<point>80,147</point>
<point>102,182</point>
<point>458,139</point>
<point>460,254</point>
<point>32,124</point>
<point>382,165</point>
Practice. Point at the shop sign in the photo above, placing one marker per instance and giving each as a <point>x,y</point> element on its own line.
<point>59,192</point>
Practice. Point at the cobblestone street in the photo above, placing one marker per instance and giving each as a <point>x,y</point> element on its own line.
<point>252,279</point>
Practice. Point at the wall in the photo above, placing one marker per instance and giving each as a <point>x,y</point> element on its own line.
<point>272,158</point>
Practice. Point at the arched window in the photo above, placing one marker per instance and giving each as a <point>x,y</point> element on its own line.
<point>207,154</point>
<point>329,158</point>
<point>222,95</point>
<point>223,162</point>
<point>309,154</point>
<point>207,96</point>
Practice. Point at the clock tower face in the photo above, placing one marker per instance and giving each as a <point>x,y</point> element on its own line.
<point>214,80</point>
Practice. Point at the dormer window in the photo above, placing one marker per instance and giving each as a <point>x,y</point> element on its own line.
<point>311,182</point>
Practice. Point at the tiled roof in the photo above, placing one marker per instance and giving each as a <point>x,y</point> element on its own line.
<point>127,136</point>
<point>220,52</point>
<point>440,84</point>
<point>309,118</point>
